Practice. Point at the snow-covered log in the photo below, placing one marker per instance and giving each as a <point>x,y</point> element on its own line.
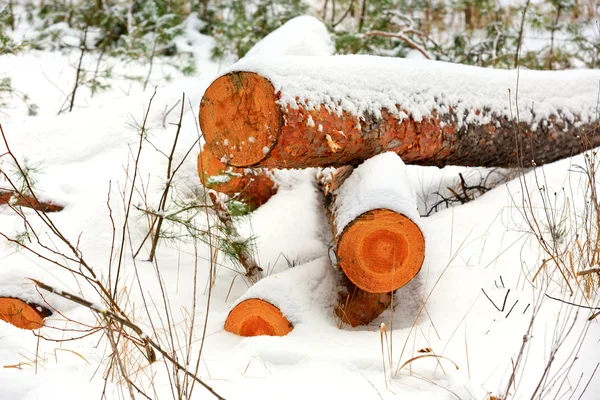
<point>304,294</point>
<point>9,196</point>
<point>298,112</point>
<point>373,215</point>
<point>253,186</point>
<point>22,314</point>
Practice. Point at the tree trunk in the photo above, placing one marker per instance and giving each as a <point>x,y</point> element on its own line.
<point>372,212</point>
<point>251,186</point>
<point>301,112</point>
<point>21,314</point>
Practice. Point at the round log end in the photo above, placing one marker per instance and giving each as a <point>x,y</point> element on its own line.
<point>255,317</point>
<point>20,314</point>
<point>240,118</point>
<point>253,187</point>
<point>381,251</point>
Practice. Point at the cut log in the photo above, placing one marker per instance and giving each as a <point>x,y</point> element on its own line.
<point>251,186</point>
<point>357,307</point>
<point>21,314</point>
<point>299,112</point>
<point>278,302</point>
<point>255,317</point>
<point>372,212</point>
<point>27,201</point>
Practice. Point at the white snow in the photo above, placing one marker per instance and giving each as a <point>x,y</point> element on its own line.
<point>368,84</point>
<point>379,182</point>
<point>300,36</point>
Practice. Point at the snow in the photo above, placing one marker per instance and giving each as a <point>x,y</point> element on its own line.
<point>300,36</point>
<point>419,88</point>
<point>379,182</point>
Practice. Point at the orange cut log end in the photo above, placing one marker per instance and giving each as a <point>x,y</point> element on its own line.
<point>253,187</point>
<point>240,118</point>
<point>255,317</point>
<point>381,251</point>
<point>20,314</point>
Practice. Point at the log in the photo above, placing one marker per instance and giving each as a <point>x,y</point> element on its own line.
<point>276,304</point>
<point>251,186</point>
<point>256,317</point>
<point>358,307</point>
<point>300,112</point>
<point>373,217</point>
<point>21,314</point>
<point>22,200</point>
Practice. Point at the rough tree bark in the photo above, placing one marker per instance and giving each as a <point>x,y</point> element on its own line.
<point>248,122</point>
<point>252,186</point>
<point>27,201</point>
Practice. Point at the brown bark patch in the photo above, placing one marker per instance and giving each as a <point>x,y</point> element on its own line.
<point>252,186</point>
<point>28,201</point>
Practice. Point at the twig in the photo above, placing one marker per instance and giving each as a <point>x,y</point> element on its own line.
<point>150,344</point>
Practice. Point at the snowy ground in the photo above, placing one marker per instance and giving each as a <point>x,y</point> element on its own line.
<point>83,159</point>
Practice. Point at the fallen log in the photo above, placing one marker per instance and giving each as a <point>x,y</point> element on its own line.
<point>251,186</point>
<point>373,216</point>
<point>22,314</point>
<point>278,303</point>
<point>357,307</point>
<point>8,196</point>
<point>299,112</point>
<point>256,317</point>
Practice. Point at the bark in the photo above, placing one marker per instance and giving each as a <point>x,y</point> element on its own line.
<point>244,124</point>
<point>22,200</point>
<point>21,314</point>
<point>255,317</point>
<point>357,307</point>
<point>251,186</point>
<point>381,250</point>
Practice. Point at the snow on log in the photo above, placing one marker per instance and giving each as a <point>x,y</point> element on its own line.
<point>21,314</point>
<point>303,294</point>
<point>298,112</point>
<point>300,36</point>
<point>373,216</point>
<point>278,303</point>
<point>9,196</point>
<point>252,186</point>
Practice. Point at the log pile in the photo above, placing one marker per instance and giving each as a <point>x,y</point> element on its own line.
<point>369,115</point>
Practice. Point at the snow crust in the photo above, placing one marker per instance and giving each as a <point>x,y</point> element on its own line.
<point>302,292</point>
<point>300,36</point>
<point>379,182</point>
<point>362,84</point>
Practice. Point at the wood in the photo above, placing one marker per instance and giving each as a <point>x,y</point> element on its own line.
<point>28,201</point>
<point>381,250</point>
<point>255,317</point>
<point>244,125</point>
<point>21,314</point>
<point>357,307</point>
<point>251,186</point>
